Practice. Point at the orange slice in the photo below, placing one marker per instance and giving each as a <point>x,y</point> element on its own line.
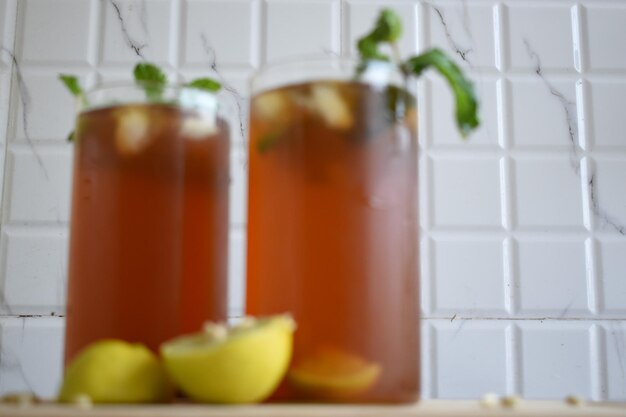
<point>334,374</point>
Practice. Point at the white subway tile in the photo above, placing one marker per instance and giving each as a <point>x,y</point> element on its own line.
<point>55,31</point>
<point>555,359</point>
<point>30,355</point>
<point>547,193</point>
<point>6,33</point>
<point>465,192</point>
<point>608,200</point>
<point>604,36</point>
<point>44,107</point>
<point>35,271</point>
<point>136,30</point>
<point>468,276</point>
<point>605,104</point>
<point>541,113</point>
<point>39,184</point>
<point>303,28</point>
<point>613,275</point>
<point>615,351</point>
<point>465,31</point>
<point>361,16</point>
<point>444,131</point>
<point>220,31</point>
<point>470,358</point>
<point>551,277</point>
<point>539,35</point>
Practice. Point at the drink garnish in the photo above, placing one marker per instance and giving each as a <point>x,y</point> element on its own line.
<point>150,77</point>
<point>388,29</point>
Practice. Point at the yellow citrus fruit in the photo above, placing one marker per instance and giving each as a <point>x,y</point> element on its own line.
<point>239,364</point>
<point>333,374</point>
<point>114,371</point>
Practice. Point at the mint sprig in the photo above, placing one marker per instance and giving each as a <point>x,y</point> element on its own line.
<point>154,80</point>
<point>205,84</point>
<point>151,78</point>
<point>72,84</point>
<point>388,29</point>
<point>466,103</point>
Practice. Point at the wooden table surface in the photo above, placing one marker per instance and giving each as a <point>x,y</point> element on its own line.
<point>427,408</point>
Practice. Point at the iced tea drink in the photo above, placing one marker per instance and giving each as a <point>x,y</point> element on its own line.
<point>333,232</point>
<point>148,245</point>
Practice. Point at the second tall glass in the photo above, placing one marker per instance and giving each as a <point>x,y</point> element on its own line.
<point>333,227</point>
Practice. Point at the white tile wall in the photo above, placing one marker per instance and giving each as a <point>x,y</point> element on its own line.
<point>523,224</point>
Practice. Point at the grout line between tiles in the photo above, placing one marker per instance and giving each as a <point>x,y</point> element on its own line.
<point>176,39</point>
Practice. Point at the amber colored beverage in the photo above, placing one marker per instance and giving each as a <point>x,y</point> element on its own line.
<point>333,236</point>
<point>148,247</point>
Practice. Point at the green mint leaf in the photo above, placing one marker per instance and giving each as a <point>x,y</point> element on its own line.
<point>388,26</point>
<point>463,89</point>
<point>70,137</point>
<point>268,141</point>
<point>72,84</point>
<point>388,29</point>
<point>206,84</point>
<point>151,78</point>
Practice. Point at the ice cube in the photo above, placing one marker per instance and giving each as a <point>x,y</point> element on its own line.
<point>197,128</point>
<point>410,119</point>
<point>272,106</point>
<point>132,130</point>
<point>331,106</point>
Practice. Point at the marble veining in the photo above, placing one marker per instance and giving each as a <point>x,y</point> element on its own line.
<point>25,102</point>
<point>602,214</point>
<point>459,50</point>
<point>569,108</point>
<point>11,362</point>
<point>132,43</point>
<point>239,99</point>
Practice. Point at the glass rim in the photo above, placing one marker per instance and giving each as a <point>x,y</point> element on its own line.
<point>111,85</point>
<point>341,65</point>
<point>126,93</point>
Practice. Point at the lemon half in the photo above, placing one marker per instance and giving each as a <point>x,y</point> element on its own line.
<point>239,364</point>
<point>114,371</point>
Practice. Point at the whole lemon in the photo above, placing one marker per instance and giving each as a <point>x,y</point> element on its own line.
<point>114,371</point>
<point>240,364</point>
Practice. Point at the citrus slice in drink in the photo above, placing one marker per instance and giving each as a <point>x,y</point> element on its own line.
<point>333,374</point>
<point>114,371</point>
<point>239,364</point>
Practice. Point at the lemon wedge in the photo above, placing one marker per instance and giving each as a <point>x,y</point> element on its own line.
<point>114,371</point>
<point>333,374</point>
<point>239,364</point>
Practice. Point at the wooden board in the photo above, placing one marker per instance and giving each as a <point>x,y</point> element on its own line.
<point>432,408</point>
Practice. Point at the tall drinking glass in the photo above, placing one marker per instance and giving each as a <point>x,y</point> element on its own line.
<point>149,224</point>
<point>333,226</point>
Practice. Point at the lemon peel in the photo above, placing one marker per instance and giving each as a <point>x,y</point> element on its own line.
<point>114,371</point>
